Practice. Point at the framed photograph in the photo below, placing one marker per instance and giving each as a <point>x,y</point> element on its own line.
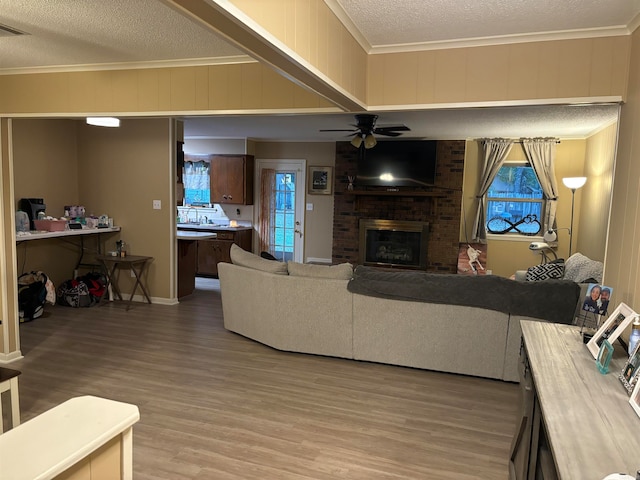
<point>629,374</point>
<point>611,329</point>
<point>320,180</point>
<point>604,356</point>
<point>597,299</point>
<point>634,400</point>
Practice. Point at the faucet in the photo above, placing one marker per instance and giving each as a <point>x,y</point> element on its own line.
<point>189,212</point>
<point>204,220</point>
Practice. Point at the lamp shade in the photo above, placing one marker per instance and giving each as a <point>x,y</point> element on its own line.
<point>370,141</point>
<point>103,121</point>
<point>574,182</point>
<point>357,141</point>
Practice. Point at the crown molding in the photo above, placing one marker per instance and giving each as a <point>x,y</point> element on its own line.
<point>634,23</point>
<point>346,21</point>
<point>94,67</point>
<point>508,39</point>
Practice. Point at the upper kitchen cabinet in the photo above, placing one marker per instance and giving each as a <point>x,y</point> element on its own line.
<point>232,179</point>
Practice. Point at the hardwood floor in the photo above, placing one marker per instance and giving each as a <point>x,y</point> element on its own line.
<point>215,405</point>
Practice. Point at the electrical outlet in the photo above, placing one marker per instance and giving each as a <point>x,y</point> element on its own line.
<point>157,204</point>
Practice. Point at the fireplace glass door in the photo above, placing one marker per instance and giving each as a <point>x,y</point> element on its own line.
<point>393,243</point>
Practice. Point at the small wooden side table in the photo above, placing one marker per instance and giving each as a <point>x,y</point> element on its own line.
<point>9,383</point>
<point>136,263</point>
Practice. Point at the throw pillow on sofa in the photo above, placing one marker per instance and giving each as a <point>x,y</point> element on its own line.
<point>546,271</point>
<point>247,259</point>
<point>344,271</point>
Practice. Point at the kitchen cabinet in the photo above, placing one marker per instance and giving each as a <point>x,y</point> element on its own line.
<point>232,179</point>
<point>215,250</point>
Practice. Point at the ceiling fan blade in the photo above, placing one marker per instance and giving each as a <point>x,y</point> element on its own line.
<point>391,128</point>
<point>388,134</point>
<point>340,130</point>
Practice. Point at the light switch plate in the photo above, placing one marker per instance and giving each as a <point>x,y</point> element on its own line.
<point>157,204</point>
<point>309,206</point>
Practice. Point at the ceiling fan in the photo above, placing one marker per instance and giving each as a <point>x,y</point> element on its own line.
<point>366,128</point>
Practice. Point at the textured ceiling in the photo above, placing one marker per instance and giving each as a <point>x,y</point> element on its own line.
<point>385,22</point>
<point>86,33</point>
<point>89,32</point>
<point>513,122</point>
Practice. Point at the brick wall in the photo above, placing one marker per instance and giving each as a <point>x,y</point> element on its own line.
<point>443,212</point>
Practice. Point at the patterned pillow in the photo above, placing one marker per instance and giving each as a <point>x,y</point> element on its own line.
<point>546,271</point>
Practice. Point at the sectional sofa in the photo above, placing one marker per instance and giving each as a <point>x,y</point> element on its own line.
<point>449,323</point>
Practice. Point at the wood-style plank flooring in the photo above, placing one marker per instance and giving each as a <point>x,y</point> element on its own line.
<point>215,405</point>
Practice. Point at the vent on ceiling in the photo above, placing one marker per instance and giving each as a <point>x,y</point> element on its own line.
<point>7,31</point>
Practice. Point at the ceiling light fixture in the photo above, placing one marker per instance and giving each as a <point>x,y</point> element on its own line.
<point>103,121</point>
<point>370,141</point>
<point>357,141</point>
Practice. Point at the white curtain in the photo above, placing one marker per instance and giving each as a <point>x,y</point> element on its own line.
<point>267,208</point>
<point>541,154</point>
<point>196,175</point>
<point>495,152</point>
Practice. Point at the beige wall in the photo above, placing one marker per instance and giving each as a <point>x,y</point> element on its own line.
<point>45,166</point>
<point>595,67</point>
<point>121,171</point>
<point>118,172</point>
<point>228,88</point>
<point>596,193</point>
<point>318,237</point>
<point>312,31</point>
<point>622,263</point>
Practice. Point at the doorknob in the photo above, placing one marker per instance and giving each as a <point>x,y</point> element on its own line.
<point>298,232</point>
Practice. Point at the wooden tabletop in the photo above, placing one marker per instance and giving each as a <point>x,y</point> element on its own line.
<point>592,428</point>
<point>126,259</point>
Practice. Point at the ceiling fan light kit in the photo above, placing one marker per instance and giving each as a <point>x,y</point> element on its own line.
<point>365,131</point>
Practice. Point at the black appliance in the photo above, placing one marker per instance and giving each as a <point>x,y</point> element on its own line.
<point>32,206</point>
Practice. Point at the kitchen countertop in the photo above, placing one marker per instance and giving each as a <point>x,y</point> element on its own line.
<point>192,235</point>
<point>211,227</point>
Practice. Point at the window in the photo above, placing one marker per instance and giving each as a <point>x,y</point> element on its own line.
<point>197,189</point>
<point>515,201</point>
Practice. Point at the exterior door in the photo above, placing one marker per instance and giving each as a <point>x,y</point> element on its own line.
<point>286,208</point>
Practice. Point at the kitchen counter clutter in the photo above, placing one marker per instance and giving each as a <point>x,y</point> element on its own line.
<point>206,227</point>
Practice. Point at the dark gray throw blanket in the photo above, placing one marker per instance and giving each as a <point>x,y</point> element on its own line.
<point>552,300</point>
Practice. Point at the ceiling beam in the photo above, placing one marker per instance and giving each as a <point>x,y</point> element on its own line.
<point>219,19</point>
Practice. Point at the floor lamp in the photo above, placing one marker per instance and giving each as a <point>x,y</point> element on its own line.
<point>573,183</point>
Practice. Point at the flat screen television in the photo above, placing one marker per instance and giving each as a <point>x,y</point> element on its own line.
<point>399,163</point>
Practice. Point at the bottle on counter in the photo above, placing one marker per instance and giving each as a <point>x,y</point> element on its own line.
<point>635,335</point>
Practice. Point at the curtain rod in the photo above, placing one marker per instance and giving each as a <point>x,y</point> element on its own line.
<point>514,141</point>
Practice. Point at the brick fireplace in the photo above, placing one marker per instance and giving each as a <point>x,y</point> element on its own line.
<point>439,206</point>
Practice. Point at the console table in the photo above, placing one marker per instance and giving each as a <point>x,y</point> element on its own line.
<point>576,423</point>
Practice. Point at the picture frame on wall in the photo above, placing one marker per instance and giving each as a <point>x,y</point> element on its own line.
<point>629,374</point>
<point>320,180</point>
<point>611,329</point>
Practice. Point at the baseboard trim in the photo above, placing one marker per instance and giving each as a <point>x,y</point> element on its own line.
<point>10,357</point>
<point>318,260</point>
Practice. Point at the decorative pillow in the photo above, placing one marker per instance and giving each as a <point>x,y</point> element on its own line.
<point>247,259</point>
<point>580,269</point>
<point>344,271</point>
<point>546,271</point>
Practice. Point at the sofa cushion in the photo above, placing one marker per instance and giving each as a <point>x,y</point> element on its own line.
<point>581,269</point>
<point>247,259</point>
<point>343,271</point>
<point>546,271</point>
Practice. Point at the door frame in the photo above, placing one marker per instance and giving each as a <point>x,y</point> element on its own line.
<point>300,167</point>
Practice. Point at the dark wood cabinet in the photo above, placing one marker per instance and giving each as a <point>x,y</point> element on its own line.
<point>232,179</point>
<point>213,251</point>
